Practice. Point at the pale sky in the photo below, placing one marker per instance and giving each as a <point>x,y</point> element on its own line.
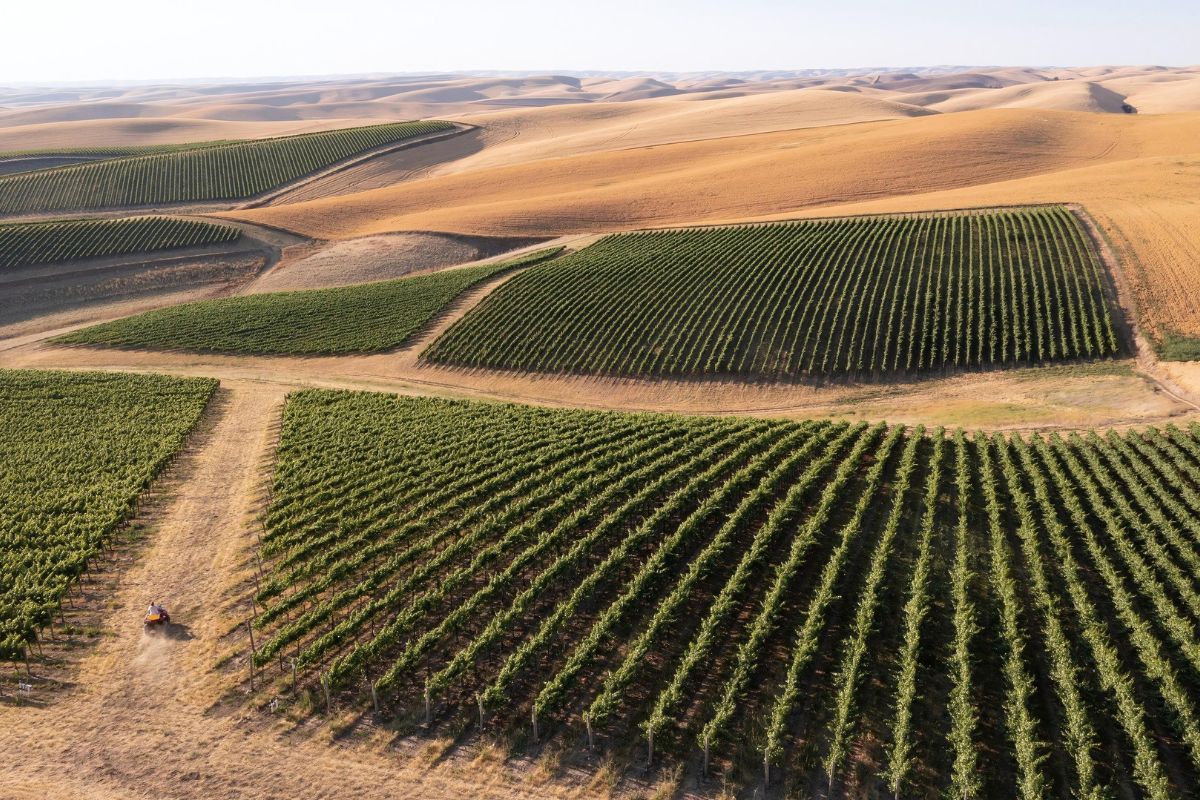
<point>95,40</point>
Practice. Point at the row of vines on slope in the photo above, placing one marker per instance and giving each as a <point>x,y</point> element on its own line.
<point>840,608</point>
<point>855,296</point>
<point>370,317</point>
<point>35,243</point>
<point>222,171</point>
<point>77,449</point>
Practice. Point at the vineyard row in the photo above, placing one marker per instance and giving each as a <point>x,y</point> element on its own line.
<point>879,610</point>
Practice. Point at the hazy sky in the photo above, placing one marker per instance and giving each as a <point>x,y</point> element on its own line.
<point>77,40</point>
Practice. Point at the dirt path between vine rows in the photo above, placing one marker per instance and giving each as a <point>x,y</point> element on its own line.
<point>145,718</point>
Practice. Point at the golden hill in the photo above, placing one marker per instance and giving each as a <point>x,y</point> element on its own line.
<point>1136,174</point>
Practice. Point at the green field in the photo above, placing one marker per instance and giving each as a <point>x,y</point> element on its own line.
<point>369,318</point>
<point>102,152</point>
<point>861,297</point>
<point>883,611</point>
<point>222,171</point>
<point>33,243</point>
<point>76,450</point>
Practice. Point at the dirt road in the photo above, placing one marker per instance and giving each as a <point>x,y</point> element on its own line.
<point>144,720</point>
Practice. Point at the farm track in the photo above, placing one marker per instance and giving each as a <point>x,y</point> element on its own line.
<point>147,720</point>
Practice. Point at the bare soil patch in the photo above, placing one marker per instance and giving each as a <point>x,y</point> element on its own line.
<point>31,294</point>
<point>377,258</point>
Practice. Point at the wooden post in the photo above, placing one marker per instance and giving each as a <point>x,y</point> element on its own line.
<point>587,720</point>
<point>325,686</point>
<point>253,652</point>
<point>374,699</point>
<point>428,709</point>
<point>650,748</point>
<point>535,729</point>
<point>766,770</point>
<point>704,772</point>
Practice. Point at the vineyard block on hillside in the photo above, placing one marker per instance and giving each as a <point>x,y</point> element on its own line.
<point>857,296</point>
<point>33,243</point>
<point>353,319</point>
<point>221,171</point>
<point>76,450</point>
<point>894,610</point>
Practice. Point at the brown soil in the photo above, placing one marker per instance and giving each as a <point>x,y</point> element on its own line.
<point>31,295</point>
<point>375,258</point>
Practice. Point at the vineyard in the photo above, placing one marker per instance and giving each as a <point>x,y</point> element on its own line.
<point>854,296</point>
<point>223,171</point>
<point>354,319</point>
<point>97,153</point>
<point>856,609</point>
<point>34,243</point>
<point>77,450</point>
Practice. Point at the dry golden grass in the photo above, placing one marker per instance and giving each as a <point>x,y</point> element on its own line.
<point>1139,176</point>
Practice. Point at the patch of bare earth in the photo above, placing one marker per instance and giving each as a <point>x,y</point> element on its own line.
<point>376,258</point>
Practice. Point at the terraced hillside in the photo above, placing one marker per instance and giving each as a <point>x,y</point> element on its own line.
<point>33,243</point>
<point>77,450</point>
<point>370,317</point>
<point>872,609</point>
<point>855,296</point>
<point>221,171</point>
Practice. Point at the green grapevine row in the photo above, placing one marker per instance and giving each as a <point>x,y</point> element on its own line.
<point>881,610</point>
<point>371,317</point>
<point>220,171</point>
<point>858,296</point>
<point>77,449</point>
<point>34,243</point>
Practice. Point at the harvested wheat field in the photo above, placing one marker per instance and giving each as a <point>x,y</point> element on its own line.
<point>821,433</point>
